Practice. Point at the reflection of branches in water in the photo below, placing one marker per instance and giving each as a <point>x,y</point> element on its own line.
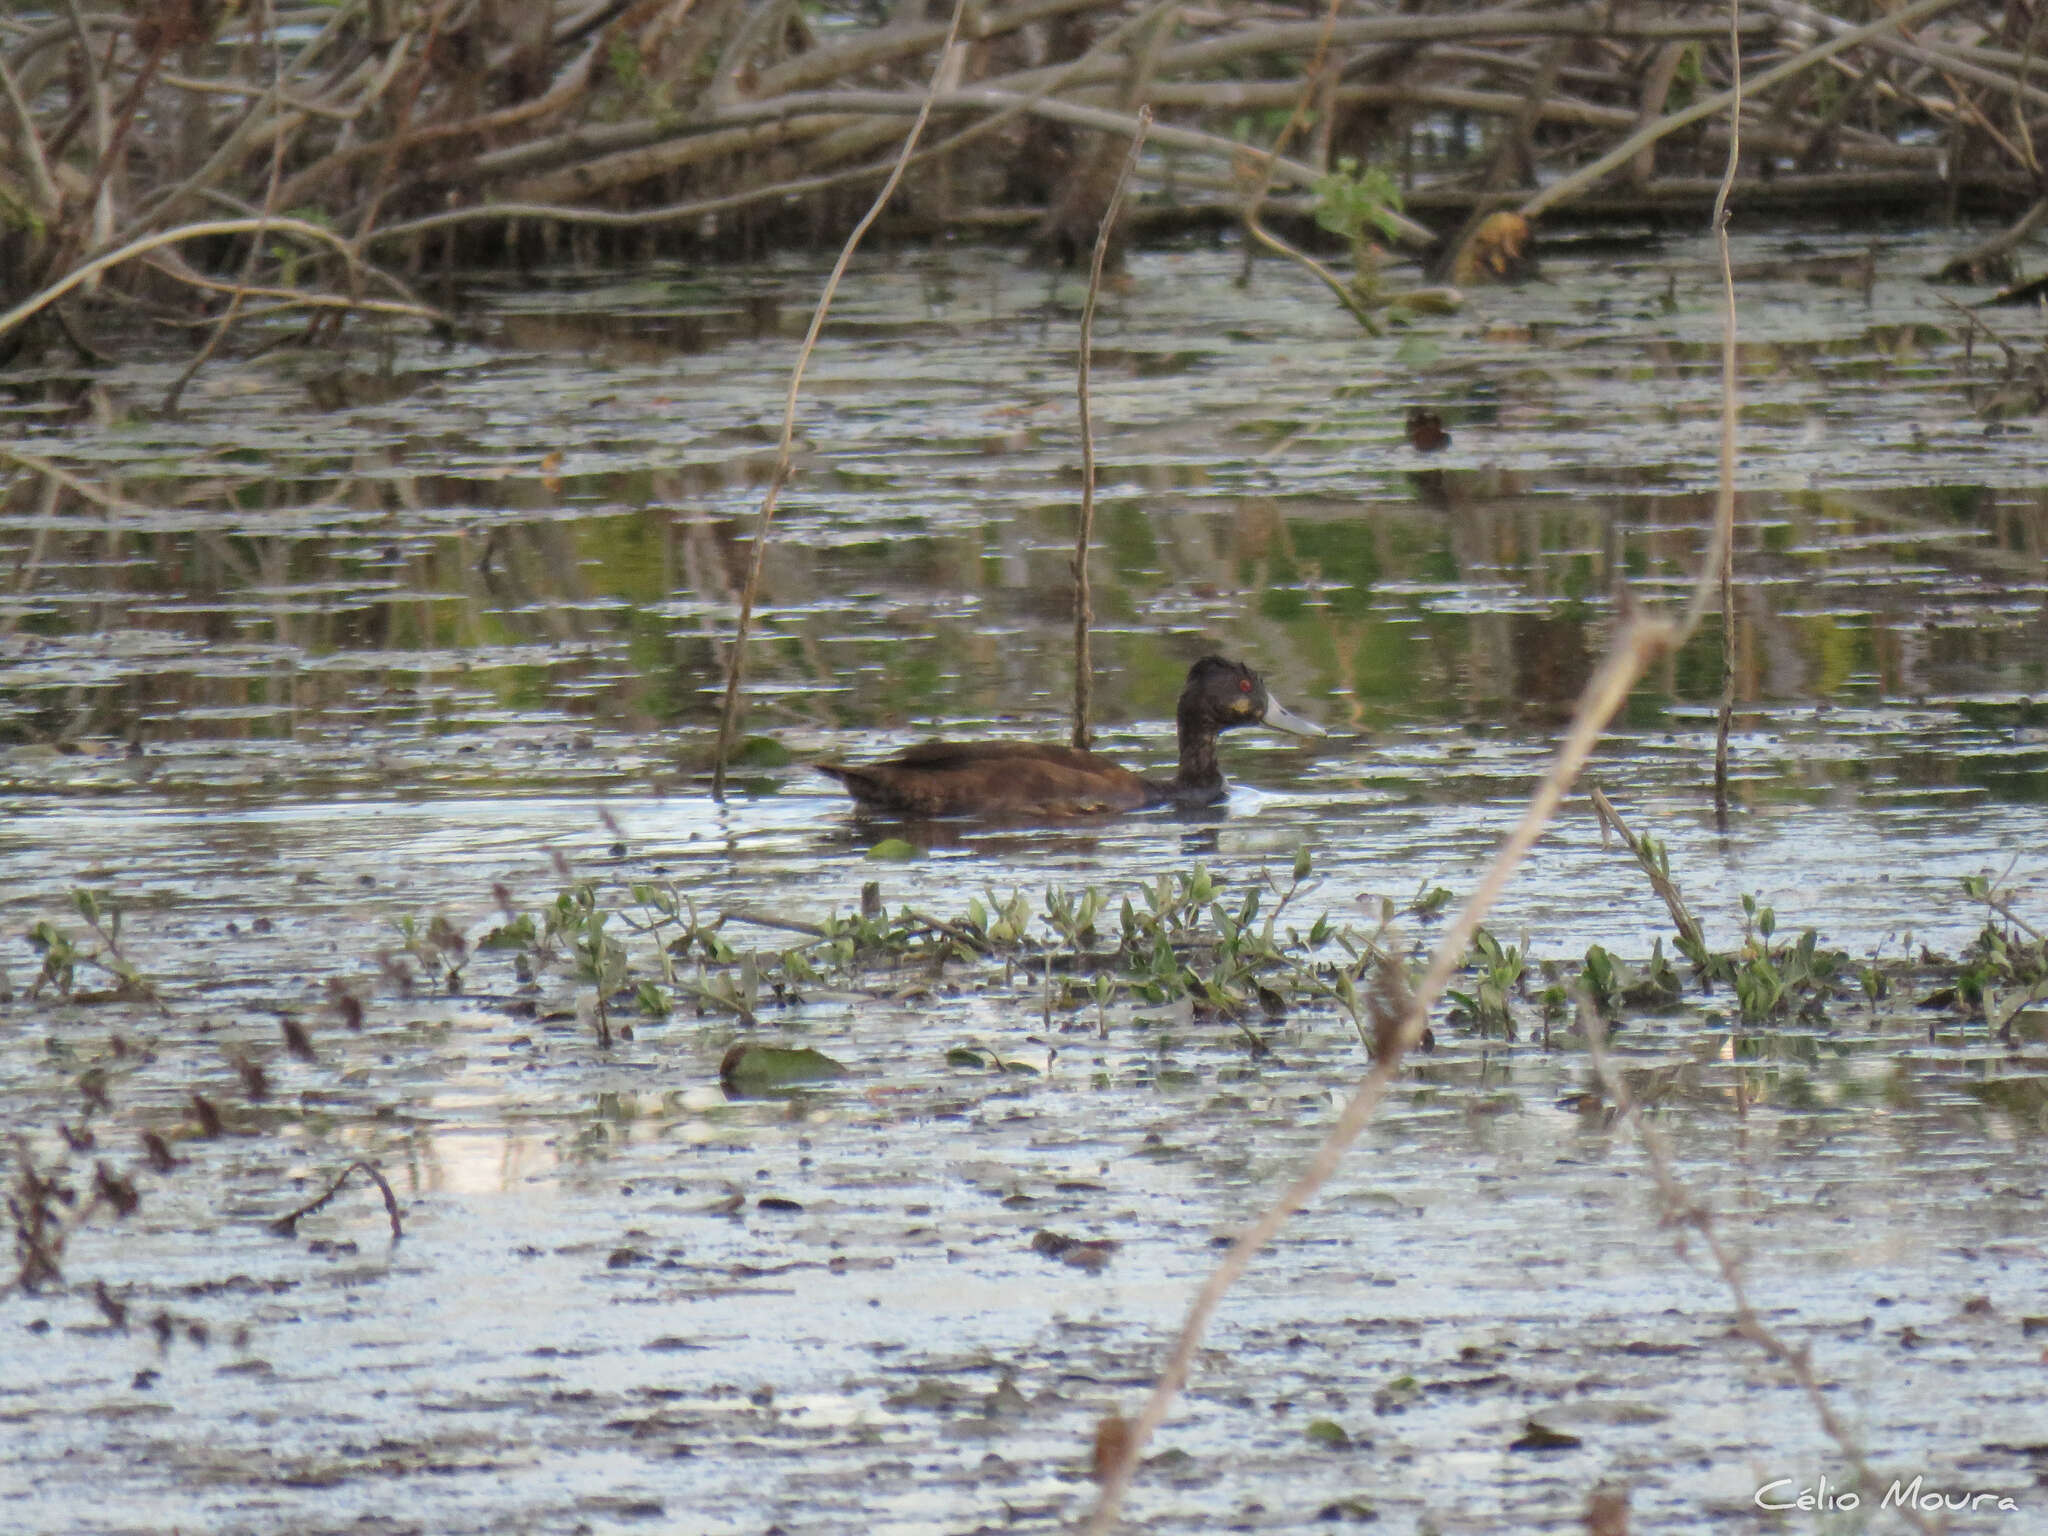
<point>1492,601</point>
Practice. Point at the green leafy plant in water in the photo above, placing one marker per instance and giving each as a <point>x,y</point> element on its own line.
<point>1500,971</point>
<point>1428,902</point>
<point>1355,204</point>
<point>60,958</point>
<point>1613,985</point>
<point>1775,981</point>
<point>62,955</point>
<point>439,948</point>
<point>2011,956</point>
<point>1072,915</point>
<point>601,962</point>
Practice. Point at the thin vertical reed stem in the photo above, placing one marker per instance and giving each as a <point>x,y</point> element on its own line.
<point>736,663</point>
<point>1084,538</point>
<point>1724,506</point>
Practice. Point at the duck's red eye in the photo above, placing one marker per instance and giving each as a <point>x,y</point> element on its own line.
<point>1244,685</point>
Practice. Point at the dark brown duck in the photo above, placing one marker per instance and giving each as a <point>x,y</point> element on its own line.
<point>1000,778</point>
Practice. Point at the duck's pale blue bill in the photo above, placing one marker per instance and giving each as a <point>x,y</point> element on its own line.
<point>1281,718</point>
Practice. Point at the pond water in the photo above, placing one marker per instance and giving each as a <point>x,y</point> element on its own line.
<point>418,630</point>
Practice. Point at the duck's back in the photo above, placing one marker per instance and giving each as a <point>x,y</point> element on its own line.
<point>948,778</point>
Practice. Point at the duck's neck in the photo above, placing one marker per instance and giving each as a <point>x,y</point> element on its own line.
<point>1199,779</point>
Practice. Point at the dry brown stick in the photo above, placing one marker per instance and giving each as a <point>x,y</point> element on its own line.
<point>382,177</point>
<point>1254,226</point>
<point>1339,289</point>
<point>287,1224</point>
<point>736,664</point>
<point>770,920</point>
<point>775,92</point>
<point>1573,111</point>
<point>1658,873</point>
<point>1724,503</point>
<point>1451,26</point>
<point>234,306</point>
<point>573,82</point>
<point>111,133</point>
<point>1641,641</point>
<point>142,247</point>
<point>1084,538</point>
<point>284,300</point>
<point>1656,90</point>
<point>771,121</point>
<point>1564,189</point>
<point>2002,905</point>
<point>1132,37</point>
<point>1514,164</point>
<point>1303,92</point>
<point>1682,1210</point>
<point>40,178</point>
<point>249,88</point>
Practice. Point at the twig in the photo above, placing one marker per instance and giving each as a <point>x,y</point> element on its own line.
<point>1255,226</point>
<point>1660,879</point>
<point>2003,908</point>
<point>1724,507</point>
<point>1950,62</point>
<point>1339,289</point>
<point>952,931</point>
<point>286,299</point>
<point>143,246</point>
<point>1642,639</point>
<point>736,667</point>
<point>772,121</point>
<point>1084,538</point>
<point>395,141</point>
<point>769,920</point>
<point>266,20</point>
<point>287,1224</point>
<point>40,178</point>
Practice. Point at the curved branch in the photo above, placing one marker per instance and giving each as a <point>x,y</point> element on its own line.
<point>114,258</point>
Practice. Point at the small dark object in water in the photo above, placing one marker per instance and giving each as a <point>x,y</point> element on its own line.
<point>1092,1255</point>
<point>983,778</point>
<point>1426,432</point>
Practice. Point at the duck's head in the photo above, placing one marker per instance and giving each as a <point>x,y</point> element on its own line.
<point>1221,694</point>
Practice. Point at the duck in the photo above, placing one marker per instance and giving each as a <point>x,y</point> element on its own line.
<point>1023,779</point>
